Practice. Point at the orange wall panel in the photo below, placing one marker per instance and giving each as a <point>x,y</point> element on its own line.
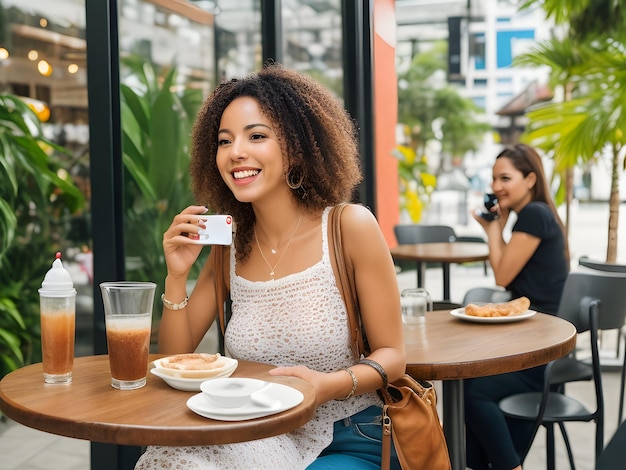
<point>385,117</point>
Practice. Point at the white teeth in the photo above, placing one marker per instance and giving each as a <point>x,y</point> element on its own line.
<point>245,173</point>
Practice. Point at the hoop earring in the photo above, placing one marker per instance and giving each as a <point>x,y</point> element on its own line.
<point>295,177</point>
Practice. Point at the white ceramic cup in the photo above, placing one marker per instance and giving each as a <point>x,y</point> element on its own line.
<point>232,392</point>
<point>415,303</point>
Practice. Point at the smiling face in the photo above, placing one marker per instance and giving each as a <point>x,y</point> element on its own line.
<point>511,187</point>
<point>249,155</point>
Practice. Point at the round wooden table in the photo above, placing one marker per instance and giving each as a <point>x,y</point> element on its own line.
<point>89,408</point>
<point>449,349</point>
<point>444,253</point>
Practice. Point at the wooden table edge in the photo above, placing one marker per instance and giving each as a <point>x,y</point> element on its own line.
<point>397,253</point>
<point>458,370</point>
<point>114,433</point>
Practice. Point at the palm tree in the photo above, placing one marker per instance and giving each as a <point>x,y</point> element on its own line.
<point>593,68</point>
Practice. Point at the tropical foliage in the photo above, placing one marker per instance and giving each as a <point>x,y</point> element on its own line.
<point>432,112</point>
<point>416,182</point>
<point>36,196</point>
<point>588,63</point>
<point>156,126</point>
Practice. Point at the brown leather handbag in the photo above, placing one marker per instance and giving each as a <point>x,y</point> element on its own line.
<point>410,415</point>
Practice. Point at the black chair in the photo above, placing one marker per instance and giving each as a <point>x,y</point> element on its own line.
<point>589,301</point>
<point>445,305</point>
<point>412,234</point>
<point>587,262</point>
<point>472,239</point>
<point>486,295</point>
<point>614,454</point>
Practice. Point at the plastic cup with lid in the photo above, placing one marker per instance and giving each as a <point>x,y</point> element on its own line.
<point>57,302</point>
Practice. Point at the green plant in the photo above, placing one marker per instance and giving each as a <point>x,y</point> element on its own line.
<point>156,129</point>
<point>589,63</point>
<point>416,182</point>
<point>36,195</point>
<point>434,111</point>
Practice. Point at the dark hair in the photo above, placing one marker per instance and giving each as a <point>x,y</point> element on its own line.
<point>526,159</point>
<point>316,135</point>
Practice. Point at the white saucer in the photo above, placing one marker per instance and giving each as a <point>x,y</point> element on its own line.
<point>193,384</point>
<point>460,313</point>
<point>287,397</point>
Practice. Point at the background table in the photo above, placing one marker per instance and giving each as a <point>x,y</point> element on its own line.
<point>89,408</point>
<point>448,349</point>
<point>444,253</point>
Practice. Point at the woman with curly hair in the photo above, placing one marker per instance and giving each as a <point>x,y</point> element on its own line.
<point>277,151</point>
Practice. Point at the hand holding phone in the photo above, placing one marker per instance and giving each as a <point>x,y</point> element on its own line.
<point>218,231</point>
<point>490,200</point>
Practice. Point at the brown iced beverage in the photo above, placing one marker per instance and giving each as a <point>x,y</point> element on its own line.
<point>57,307</point>
<point>128,341</point>
<point>128,318</point>
<point>57,342</point>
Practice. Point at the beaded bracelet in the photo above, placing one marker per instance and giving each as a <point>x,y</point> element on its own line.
<point>168,304</point>
<point>376,366</point>
<point>355,382</point>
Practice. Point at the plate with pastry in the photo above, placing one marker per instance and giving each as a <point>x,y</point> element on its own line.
<point>504,312</point>
<point>187,371</point>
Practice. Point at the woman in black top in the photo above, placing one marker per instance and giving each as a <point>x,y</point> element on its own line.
<point>533,263</point>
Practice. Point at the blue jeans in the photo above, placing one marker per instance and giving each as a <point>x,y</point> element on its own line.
<point>357,444</point>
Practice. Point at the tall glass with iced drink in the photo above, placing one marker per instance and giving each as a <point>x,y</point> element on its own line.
<point>57,301</point>
<point>128,319</point>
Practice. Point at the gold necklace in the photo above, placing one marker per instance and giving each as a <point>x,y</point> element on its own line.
<point>273,268</point>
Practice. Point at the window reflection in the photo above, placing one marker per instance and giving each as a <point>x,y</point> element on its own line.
<point>43,61</point>
<point>238,38</point>
<point>312,35</point>
<point>169,34</point>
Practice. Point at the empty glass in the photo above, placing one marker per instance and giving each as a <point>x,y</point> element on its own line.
<point>415,303</point>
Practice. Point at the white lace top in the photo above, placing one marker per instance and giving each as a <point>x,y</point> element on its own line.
<point>297,319</point>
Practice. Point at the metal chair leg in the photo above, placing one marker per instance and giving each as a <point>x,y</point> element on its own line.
<point>570,455</point>
<point>551,460</point>
<point>621,388</point>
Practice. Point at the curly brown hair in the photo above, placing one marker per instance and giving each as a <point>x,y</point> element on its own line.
<point>316,134</point>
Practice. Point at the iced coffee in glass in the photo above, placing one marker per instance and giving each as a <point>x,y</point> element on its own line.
<point>128,319</point>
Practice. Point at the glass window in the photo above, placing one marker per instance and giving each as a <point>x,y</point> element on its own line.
<point>43,62</point>
<point>167,68</point>
<point>312,40</point>
<point>238,38</point>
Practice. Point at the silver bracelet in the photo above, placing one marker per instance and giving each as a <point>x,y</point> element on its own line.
<point>168,304</point>
<point>355,382</point>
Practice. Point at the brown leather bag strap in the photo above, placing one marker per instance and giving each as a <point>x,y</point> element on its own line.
<point>347,287</point>
<point>220,285</point>
<point>345,279</point>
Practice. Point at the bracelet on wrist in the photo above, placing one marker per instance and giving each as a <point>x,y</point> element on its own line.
<point>355,382</point>
<point>168,304</point>
<point>378,368</point>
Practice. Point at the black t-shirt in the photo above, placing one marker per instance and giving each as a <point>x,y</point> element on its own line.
<point>543,277</point>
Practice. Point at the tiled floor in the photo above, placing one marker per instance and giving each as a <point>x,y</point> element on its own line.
<point>27,449</point>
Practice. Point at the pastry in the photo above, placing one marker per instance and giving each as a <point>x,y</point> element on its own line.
<point>192,366</point>
<point>504,309</point>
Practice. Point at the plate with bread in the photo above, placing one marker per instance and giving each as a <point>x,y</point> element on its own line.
<point>187,371</point>
<point>504,312</point>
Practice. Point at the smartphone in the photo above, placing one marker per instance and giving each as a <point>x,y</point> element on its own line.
<point>218,231</point>
<point>489,200</point>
